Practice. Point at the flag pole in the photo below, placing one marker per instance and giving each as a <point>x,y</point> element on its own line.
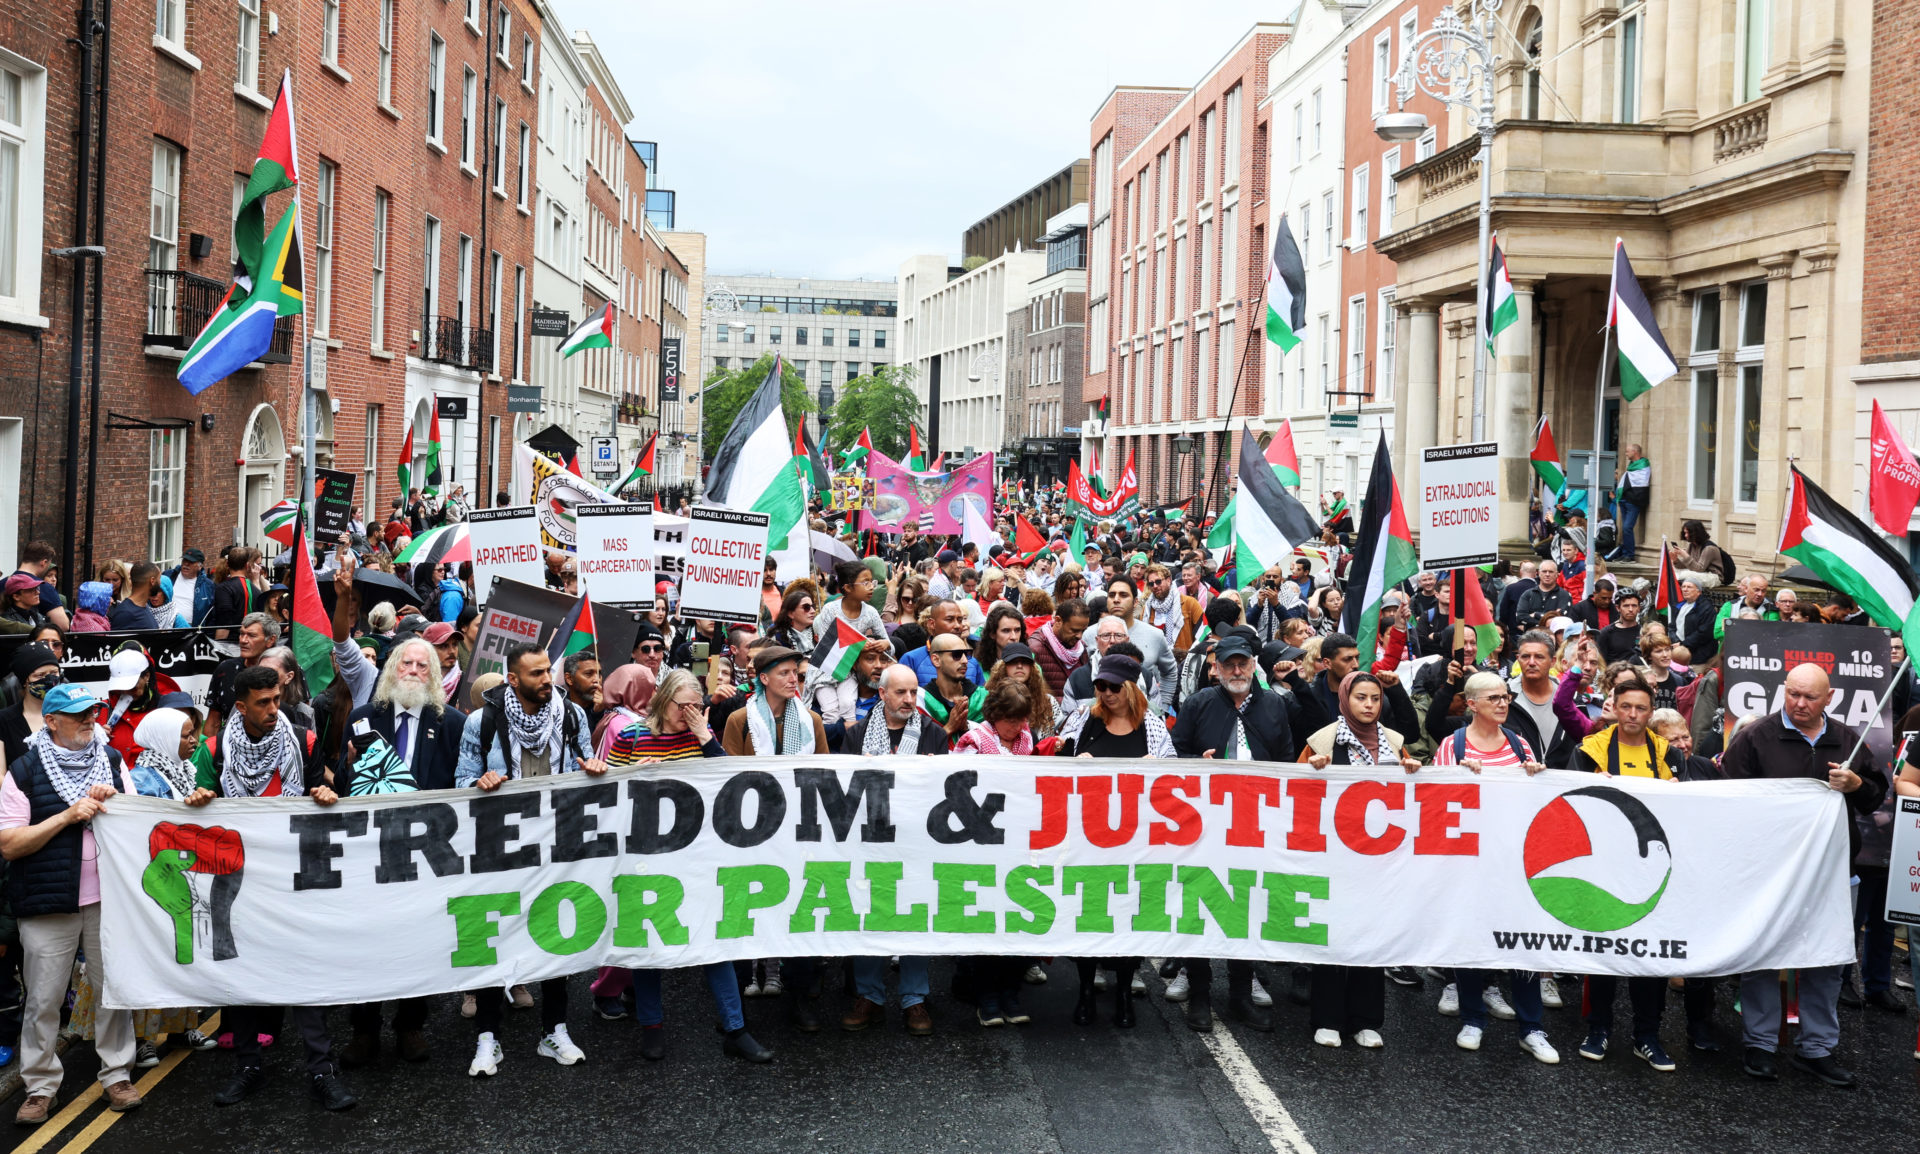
<point>1878,706</point>
<point>1599,439</point>
<point>310,401</point>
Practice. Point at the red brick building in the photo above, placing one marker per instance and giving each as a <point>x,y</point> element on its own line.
<point>409,117</point>
<point>1183,203</point>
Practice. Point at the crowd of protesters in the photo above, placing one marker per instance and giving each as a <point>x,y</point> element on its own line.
<point>1140,648</point>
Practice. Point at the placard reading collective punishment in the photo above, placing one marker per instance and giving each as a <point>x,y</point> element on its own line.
<point>506,543</point>
<point>726,564</point>
<point>616,552</point>
<point>1459,506</point>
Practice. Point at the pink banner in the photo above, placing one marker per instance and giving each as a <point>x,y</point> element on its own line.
<point>932,501</point>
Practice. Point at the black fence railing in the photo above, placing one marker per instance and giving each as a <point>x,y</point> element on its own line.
<point>450,342</point>
<point>179,303</point>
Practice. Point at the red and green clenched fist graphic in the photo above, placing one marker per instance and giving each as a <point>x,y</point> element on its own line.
<point>179,851</point>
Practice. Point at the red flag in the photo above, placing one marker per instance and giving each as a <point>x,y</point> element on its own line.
<point>573,461</point>
<point>1026,538</point>
<point>1893,479</point>
<point>1666,586</point>
<point>1470,610</point>
<point>312,640</point>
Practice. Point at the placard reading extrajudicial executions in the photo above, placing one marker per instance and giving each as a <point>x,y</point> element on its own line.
<point>1459,506</point>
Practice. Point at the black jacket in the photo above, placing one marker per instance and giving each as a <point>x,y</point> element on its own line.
<point>1509,604</point>
<point>47,881</point>
<point>1695,631</point>
<point>436,747</point>
<point>1537,605</point>
<point>1557,756</point>
<point>933,739</point>
<point>1588,613</point>
<point>1206,722</point>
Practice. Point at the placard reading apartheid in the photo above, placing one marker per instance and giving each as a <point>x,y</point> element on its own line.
<point>506,544</point>
<point>616,553</point>
<point>1459,506</point>
<point>709,861</point>
<point>726,564</point>
<point>1756,657</point>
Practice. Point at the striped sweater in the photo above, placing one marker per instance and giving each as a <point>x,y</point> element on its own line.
<point>634,744</point>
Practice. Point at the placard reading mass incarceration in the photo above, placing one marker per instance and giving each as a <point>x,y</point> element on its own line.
<point>726,564</point>
<point>616,552</point>
<point>1459,506</point>
<point>506,543</point>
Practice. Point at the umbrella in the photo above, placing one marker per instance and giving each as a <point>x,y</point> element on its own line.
<point>1801,575</point>
<point>373,585</point>
<point>828,550</point>
<point>447,545</point>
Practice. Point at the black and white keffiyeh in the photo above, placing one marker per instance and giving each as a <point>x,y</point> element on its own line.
<point>877,744</point>
<point>796,731</point>
<point>247,766</point>
<point>533,731</point>
<point>1167,610</point>
<point>73,771</point>
<point>1357,751</point>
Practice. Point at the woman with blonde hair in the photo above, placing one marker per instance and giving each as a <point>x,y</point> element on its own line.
<point>116,573</point>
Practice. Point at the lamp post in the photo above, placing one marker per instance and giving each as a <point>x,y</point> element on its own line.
<point>1453,62</point>
<point>825,399</point>
<point>984,366</point>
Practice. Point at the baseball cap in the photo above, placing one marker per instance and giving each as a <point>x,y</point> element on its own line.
<point>125,669</point>
<point>20,581</point>
<point>412,623</point>
<point>1117,667</point>
<point>1015,651</point>
<point>946,555</point>
<point>1232,644</point>
<point>67,697</point>
<point>180,701</point>
<point>193,555</point>
<point>437,633</point>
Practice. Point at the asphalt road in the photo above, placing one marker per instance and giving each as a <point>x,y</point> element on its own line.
<point>1050,1086</point>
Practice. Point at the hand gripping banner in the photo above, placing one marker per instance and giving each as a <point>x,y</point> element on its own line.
<point>284,900</point>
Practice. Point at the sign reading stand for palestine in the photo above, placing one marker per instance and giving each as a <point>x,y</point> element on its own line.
<point>1459,506</point>
<point>726,565</point>
<point>616,546</point>
<point>506,543</point>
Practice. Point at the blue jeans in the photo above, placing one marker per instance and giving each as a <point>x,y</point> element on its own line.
<point>870,980</point>
<point>721,982</point>
<point>1626,517</point>
<point>1523,990</point>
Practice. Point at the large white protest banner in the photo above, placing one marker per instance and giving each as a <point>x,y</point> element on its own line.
<point>506,544</point>
<point>616,552</point>
<point>249,901</point>
<point>726,565</point>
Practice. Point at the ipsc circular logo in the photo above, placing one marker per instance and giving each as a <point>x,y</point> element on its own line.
<point>1597,859</point>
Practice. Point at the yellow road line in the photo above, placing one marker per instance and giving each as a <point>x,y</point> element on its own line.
<point>51,1128</point>
<point>107,1118</point>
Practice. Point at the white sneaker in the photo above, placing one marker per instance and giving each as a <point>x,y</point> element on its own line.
<point>1469,1038</point>
<point>772,987</point>
<point>1137,986</point>
<point>1179,987</point>
<point>1327,1038</point>
<point>486,1058</point>
<point>1450,1001</point>
<point>1369,1040</point>
<point>1099,979</point>
<point>1536,1044</point>
<point>1260,995</point>
<point>1496,1004</point>
<point>1036,976</point>
<point>750,990</point>
<point>559,1047</point>
<point>1550,994</point>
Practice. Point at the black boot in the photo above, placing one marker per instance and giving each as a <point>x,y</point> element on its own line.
<point>653,1042</point>
<point>245,1081</point>
<point>1083,1011</point>
<point>1123,1002</point>
<point>805,1018</point>
<point>1200,1012</point>
<point>740,1044</point>
<point>330,1091</point>
<point>1242,1009</point>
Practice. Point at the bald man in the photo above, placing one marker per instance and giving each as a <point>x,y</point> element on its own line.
<point>1803,741</point>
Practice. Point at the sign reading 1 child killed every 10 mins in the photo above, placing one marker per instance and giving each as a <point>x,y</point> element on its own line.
<point>726,565</point>
<point>1459,506</point>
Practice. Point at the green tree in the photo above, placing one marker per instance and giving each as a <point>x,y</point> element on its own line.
<point>727,391</point>
<point>882,402</point>
<point>973,262</point>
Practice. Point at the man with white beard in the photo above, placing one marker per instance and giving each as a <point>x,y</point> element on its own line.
<point>406,738</point>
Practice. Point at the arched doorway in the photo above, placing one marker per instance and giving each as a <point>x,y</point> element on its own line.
<point>422,437</point>
<point>263,454</point>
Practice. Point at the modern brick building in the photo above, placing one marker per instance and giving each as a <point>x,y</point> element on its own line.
<point>1182,355</point>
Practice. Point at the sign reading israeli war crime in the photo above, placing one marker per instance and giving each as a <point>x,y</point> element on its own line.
<point>1903,871</point>
<point>1459,506</point>
<point>506,544</point>
<point>246,901</point>
<point>616,553</point>
<point>726,563</point>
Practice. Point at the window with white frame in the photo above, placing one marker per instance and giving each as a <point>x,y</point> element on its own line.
<point>464,294</point>
<point>473,14</point>
<point>525,170</point>
<point>329,31</point>
<point>1306,229</point>
<point>1299,133</point>
<point>499,159</point>
<point>1319,111</point>
<point>1409,32</point>
<point>1231,149</point>
<point>1751,396</point>
<point>1427,145</point>
<point>1703,362</point>
<point>370,464</point>
<point>1356,381</point>
<point>166,493</point>
<point>1753,21</point>
<point>469,126</point>
<point>247,47</point>
<point>1383,72</point>
<point>1181,275</point>
<point>1382,389</point>
<point>1329,227</point>
<point>1627,67</point>
<point>526,61</point>
<point>387,18</point>
<point>1357,233</point>
<point>1229,258</point>
<point>163,231</point>
<point>430,269</point>
<point>22,182</point>
<point>1323,333</point>
<point>1204,251</point>
<point>170,21</point>
<point>325,189</point>
<point>436,84</point>
<point>1389,189</point>
<point>377,329</point>
<point>503,35</point>
<point>1224,379</point>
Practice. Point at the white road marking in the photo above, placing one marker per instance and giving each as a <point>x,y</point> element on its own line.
<point>1269,1113</point>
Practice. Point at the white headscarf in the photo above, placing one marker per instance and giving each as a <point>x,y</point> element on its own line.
<point>158,736</point>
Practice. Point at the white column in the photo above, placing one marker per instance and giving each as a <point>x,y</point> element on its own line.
<point>1510,410</point>
<point>1422,417</point>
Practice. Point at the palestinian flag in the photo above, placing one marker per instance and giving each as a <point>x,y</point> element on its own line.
<point>1100,408</point>
<point>312,642</point>
<point>1269,522</point>
<point>1282,455</point>
<point>806,455</point>
<point>838,650</point>
<point>1383,556</point>
<point>1666,584</point>
<point>1077,544</point>
<point>642,464</point>
<point>278,522</point>
<point>1027,540</point>
<point>433,452</point>
<point>405,469</point>
<point>753,471</point>
<point>1499,310</point>
<point>447,545</point>
<point>596,332</point>
<point>1471,612</point>
<point>1337,509</point>
<point>1545,458</point>
<point>1286,289</point>
<point>573,465</point>
<point>916,456</point>
<point>1849,556</point>
<point>575,633</point>
<point>1645,359</point>
<point>857,455</point>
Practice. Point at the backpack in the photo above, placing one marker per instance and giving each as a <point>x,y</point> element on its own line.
<point>1726,566</point>
<point>1460,744</point>
<point>490,725</point>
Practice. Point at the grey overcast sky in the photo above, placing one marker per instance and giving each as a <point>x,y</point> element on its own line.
<point>837,138</point>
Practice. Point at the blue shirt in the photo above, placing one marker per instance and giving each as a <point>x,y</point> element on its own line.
<point>921,662</point>
<point>1815,739</point>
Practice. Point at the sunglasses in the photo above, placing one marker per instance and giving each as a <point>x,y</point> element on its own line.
<point>1106,687</point>
<point>950,652</point>
<point>653,649</point>
<point>807,605</point>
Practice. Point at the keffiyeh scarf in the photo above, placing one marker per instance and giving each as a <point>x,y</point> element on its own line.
<point>1168,612</point>
<point>877,744</point>
<point>980,738</point>
<point>1358,752</point>
<point>247,766</point>
<point>796,731</point>
<point>540,730</point>
<point>73,771</point>
<point>1069,659</point>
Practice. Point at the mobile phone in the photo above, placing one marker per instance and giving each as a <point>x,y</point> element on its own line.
<point>701,651</point>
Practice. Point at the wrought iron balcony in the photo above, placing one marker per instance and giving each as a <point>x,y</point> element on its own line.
<point>179,304</point>
<point>449,342</point>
